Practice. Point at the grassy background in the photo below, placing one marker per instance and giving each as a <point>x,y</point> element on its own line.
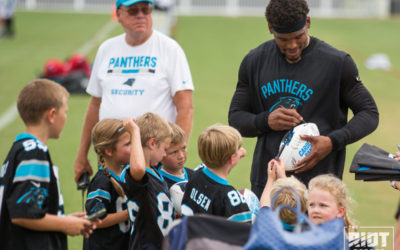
<point>214,47</point>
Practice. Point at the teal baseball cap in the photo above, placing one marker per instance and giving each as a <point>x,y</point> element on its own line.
<point>130,2</point>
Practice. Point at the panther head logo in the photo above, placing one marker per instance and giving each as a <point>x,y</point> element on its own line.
<point>35,196</point>
<point>288,102</point>
<point>129,82</point>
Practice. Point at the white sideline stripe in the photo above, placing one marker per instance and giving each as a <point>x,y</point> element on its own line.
<point>8,116</point>
<point>100,36</point>
<point>11,113</point>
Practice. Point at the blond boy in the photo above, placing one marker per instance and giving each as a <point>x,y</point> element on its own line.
<point>172,166</point>
<point>30,203</point>
<point>220,149</point>
<point>149,205</point>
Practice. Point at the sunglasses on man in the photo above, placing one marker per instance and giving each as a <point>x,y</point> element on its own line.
<point>134,11</point>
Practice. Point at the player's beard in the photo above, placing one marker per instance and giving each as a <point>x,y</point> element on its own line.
<point>303,46</point>
<point>294,60</point>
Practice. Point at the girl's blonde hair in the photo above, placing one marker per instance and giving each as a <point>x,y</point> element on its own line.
<point>336,187</point>
<point>287,197</point>
<point>105,134</point>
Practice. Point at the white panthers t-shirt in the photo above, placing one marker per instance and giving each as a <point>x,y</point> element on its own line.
<point>133,80</point>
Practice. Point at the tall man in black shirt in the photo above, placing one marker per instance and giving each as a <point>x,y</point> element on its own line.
<point>295,77</point>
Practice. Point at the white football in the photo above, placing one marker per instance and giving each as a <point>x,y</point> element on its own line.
<point>176,191</point>
<point>295,149</point>
<point>252,202</point>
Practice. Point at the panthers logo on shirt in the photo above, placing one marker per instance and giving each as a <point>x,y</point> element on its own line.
<point>288,102</point>
<point>129,82</point>
<point>35,195</point>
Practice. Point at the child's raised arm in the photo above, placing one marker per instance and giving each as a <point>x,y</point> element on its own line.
<point>280,169</point>
<point>137,163</point>
<point>276,170</point>
<point>265,199</point>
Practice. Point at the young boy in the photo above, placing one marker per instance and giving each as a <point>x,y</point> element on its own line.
<point>172,166</point>
<point>31,205</point>
<point>220,148</point>
<point>149,206</point>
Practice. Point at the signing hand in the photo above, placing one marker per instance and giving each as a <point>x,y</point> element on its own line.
<point>321,147</point>
<point>283,119</point>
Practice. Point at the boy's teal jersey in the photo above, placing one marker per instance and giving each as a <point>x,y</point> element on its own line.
<point>210,194</point>
<point>29,189</point>
<point>172,179</point>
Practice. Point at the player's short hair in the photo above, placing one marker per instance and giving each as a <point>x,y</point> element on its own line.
<point>153,126</point>
<point>217,144</point>
<point>178,135</point>
<point>287,197</point>
<point>105,134</point>
<point>336,187</point>
<point>39,96</point>
<point>286,13</point>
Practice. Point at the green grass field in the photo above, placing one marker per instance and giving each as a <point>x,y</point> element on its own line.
<point>214,47</point>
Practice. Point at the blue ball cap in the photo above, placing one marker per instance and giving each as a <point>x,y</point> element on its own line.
<point>130,2</point>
